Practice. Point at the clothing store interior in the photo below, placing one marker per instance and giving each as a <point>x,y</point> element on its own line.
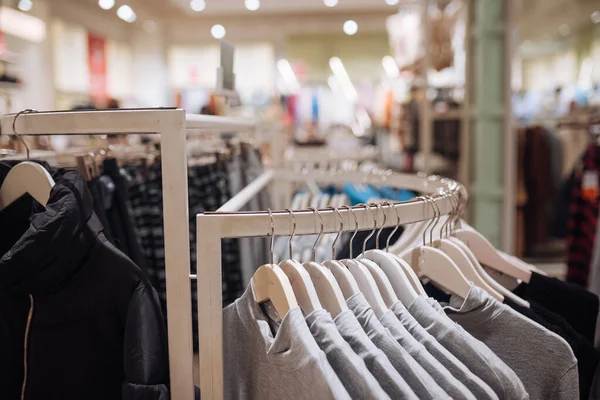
<point>299,199</point>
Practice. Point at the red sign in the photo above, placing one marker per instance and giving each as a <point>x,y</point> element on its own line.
<point>97,66</point>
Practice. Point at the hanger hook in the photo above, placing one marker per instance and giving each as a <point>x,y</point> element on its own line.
<point>425,204</point>
<point>455,216</point>
<point>380,207</point>
<point>314,248</point>
<point>439,216</point>
<point>272,245</point>
<point>293,232</point>
<point>339,232</point>
<point>387,243</point>
<point>444,226</point>
<point>27,111</point>
<point>364,247</point>
<point>355,227</point>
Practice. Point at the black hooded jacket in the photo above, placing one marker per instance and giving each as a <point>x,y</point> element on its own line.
<point>78,320</point>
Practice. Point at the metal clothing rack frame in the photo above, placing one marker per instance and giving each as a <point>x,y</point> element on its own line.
<point>171,124</point>
<point>227,223</point>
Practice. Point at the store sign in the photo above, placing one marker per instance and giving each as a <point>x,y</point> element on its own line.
<point>97,66</point>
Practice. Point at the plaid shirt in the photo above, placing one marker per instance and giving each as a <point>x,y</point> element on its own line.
<point>208,189</point>
<point>583,217</point>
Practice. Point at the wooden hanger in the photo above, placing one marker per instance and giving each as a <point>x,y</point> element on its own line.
<point>436,265</point>
<point>340,272</point>
<point>269,282</point>
<point>366,282</point>
<point>379,264</point>
<point>395,275</point>
<point>487,255</point>
<point>491,281</point>
<point>26,177</point>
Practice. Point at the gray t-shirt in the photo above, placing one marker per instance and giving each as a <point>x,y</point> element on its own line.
<point>348,366</point>
<point>432,368</point>
<point>380,342</point>
<point>395,370</point>
<point>543,360</point>
<point>457,379</point>
<point>260,365</point>
<point>472,352</point>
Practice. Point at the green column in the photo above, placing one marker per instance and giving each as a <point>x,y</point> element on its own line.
<point>488,19</point>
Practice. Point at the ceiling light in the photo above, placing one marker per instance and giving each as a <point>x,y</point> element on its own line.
<point>343,78</point>
<point>197,5</point>
<point>350,27</point>
<point>289,76</point>
<point>25,5</point>
<point>392,2</point>
<point>126,13</point>
<point>330,3</point>
<point>595,17</point>
<point>390,67</point>
<point>218,31</point>
<point>564,30</point>
<point>106,4</point>
<point>252,5</point>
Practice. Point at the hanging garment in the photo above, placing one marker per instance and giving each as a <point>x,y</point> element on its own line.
<point>575,304</point>
<point>78,319</point>
<point>541,359</point>
<point>286,364</point>
<point>101,189</point>
<point>119,216</point>
<point>472,382</point>
<point>465,346</point>
<point>387,360</point>
<point>588,358</point>
<point>422,320</point>
<point>442,376</point>
<point>348,366</point>
<point>583,217</point>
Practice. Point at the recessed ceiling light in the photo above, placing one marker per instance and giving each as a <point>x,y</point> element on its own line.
<point>392,2</point>
<point>595,17</point>
<point>330,3</point>
<point>564,30</point>
<point>197,5</point>
<point>350,27</point>
<point>252,5</point>
<point>106,4</point>
<point>25,5</point>
<point>126,13</point>
<point>218,31</point>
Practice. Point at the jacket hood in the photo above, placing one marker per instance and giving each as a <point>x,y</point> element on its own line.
<point>42,248</point>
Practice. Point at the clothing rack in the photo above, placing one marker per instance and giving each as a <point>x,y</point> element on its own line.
<point>227,223</point>
<point>171,124</point>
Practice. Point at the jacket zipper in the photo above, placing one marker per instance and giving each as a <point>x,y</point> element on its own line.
<point>29,317</point>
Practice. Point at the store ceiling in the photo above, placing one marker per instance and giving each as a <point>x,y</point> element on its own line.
<point>227,7</point>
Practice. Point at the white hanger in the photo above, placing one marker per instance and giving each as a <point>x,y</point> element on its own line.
<point>269,282</point>
<point>342,275</point>
<point>327,288</point>
<point>366,283</point>
<point>395,274</point>
<point>464,263</point>
<point>436,265</point>
<point>26,177</point>
<point>487,255</point>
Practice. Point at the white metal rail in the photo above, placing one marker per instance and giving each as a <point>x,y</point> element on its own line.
<point>171,124</point>
<point>225,223</point>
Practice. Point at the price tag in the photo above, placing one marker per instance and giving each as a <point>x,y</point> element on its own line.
<point>589,185</point>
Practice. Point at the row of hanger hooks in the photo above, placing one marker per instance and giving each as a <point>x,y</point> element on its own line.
<point>445,230</point>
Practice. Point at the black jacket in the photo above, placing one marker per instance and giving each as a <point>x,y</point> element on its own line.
<point>78,319</point>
